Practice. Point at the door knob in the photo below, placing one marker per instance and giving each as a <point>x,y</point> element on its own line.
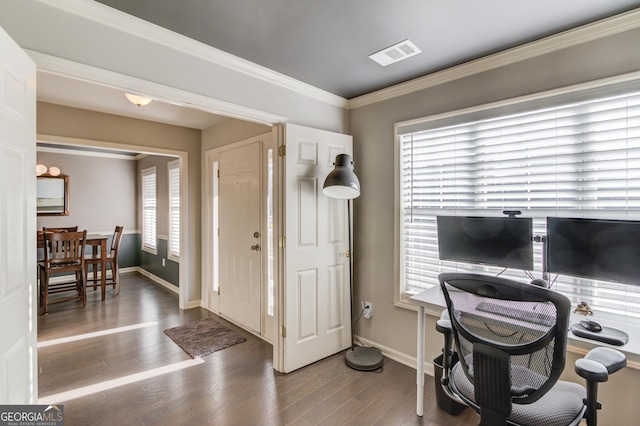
<point>256,247</point>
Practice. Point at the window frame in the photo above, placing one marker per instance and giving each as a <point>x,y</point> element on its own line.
<point>146,244</point>
<point>173,167</point>
<point>549,99</point>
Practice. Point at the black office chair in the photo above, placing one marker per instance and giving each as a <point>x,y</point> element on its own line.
<point>510,339</point>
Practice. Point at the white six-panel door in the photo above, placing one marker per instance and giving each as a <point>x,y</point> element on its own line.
<point>316,285</point>
<point>18,353</point>
<point>241,235</point>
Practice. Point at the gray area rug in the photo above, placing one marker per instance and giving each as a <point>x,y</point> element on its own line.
<point>203,337</point>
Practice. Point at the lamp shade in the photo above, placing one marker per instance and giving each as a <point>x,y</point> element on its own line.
<point>342,182</point>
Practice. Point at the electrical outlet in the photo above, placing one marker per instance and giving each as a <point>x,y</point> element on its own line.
<point>163,262</point>
<point>368,310</point>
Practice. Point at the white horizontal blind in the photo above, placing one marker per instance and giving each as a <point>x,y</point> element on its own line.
<point>174,209</point>
<point>578,160</point>
<point>149,203</point>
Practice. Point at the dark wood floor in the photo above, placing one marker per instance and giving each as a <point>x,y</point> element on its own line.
<point>235,386</point>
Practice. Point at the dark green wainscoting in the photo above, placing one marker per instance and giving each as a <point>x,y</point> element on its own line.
<point>132,255</point>
<point>152,263</point>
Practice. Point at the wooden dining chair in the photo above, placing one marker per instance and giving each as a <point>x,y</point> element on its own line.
<point>60,229</point>
<point>63,254</point>
<point>49,229</point>
<point>112,262</point>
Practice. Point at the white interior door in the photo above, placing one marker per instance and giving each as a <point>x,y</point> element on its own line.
<point>240,235</point>
<point>18,353</point>
<point>316,275</point>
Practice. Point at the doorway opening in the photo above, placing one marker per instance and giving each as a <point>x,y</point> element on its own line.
<point>239,228</point>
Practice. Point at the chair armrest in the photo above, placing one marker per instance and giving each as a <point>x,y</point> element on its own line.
<point>444,326</point>
<point>612,359</point>
<point>598,363</point>
<point>592,371</point>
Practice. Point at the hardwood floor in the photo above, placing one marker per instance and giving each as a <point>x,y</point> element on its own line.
<point>235,386</point>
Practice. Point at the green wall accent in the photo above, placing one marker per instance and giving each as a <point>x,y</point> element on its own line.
<point>153,263</point>
<point>131,255</point>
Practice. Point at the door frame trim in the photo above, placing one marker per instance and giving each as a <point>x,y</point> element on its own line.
<point>183,157</point>
<point>210,300</point>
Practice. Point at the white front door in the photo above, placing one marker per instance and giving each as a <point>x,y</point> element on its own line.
<point>316,301</point>
<point>18,289</point>
<point>241,231</point>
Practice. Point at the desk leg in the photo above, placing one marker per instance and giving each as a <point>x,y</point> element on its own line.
<point>420,366</point>
<point>103,267</point>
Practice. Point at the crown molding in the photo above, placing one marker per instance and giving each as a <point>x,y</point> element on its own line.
<point>137,27</point>
<point>596,30</point>
<point>87,73</point>
<point>104,145</point>
<point>580,87</point>
<point>84,153</point>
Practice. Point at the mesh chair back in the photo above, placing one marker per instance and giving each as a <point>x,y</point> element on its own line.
<point>524,325</point>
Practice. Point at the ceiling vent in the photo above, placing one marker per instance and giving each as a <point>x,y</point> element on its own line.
<point>395,53</point>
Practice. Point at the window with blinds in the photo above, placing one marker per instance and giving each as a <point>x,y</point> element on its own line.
<point>575,160</point>
<point>174,209</point>
<point>149,214</point>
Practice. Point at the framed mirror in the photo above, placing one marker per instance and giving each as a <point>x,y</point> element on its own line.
<point>52,195</point>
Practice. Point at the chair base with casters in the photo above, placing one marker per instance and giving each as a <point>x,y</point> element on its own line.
<point>111,262</point>
<point>63,254</point>
<point>508,369</point>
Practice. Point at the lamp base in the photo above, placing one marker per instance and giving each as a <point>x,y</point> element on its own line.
<point>364,358</point>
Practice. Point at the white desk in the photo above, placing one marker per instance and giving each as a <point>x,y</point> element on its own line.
<point>434,300</point>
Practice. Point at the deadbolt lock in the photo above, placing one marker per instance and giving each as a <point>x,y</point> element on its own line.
<point>256,234</point>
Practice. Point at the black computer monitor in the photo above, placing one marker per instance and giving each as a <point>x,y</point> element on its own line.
<point>499,241</point>
<point>607,250</point>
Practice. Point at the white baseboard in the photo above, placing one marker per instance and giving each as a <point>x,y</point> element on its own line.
<point>158,280</point>
<point>400,357</point>
<point>193,304</point>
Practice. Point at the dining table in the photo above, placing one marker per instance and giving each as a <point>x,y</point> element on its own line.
<point>95,241</point>
<point>99,241</point>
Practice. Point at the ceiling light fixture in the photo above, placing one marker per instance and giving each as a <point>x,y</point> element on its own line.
<point>41,169</point>
<point>392,54</point>
<point>138,101</point>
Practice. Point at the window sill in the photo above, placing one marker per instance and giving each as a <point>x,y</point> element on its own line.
<point>150,250</point>
<point>434,303</point>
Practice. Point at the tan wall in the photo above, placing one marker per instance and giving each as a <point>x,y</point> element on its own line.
<point>127,133</point>
<point>372,127</point>
<point>230,131</point>
<point>102,192</point>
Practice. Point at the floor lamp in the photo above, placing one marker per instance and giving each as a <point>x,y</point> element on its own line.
<point>343,183</point>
